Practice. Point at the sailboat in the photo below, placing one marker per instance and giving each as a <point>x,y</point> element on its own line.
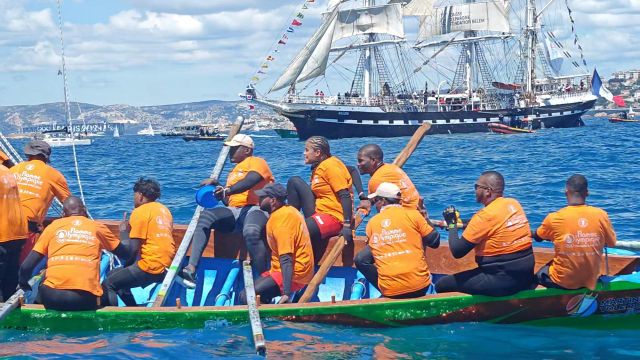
<point>116,132</point>
<point>147,131</point>
<point>472,64</point>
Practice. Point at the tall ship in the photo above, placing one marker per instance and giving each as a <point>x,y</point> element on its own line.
<point>458,65</point>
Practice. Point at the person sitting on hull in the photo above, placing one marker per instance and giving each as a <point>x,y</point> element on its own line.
<point>242,213</point>
<point>73,246</point>
<point>501,237</point>
<point>394,258</point>
<point>579,233</point>
<point>150,233</point>
<point>13,233</point>
<point>291,251</point>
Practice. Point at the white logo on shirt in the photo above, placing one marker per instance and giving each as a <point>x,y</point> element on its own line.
<point>583,223</point>
<point>386,223</point>
<point>30,167</point>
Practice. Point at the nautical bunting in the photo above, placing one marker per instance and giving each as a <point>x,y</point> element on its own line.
<point>575,35</point>
<point>290,29</point>
<point>300,15</point>
<point>295,22</point>
<point>270,58</point>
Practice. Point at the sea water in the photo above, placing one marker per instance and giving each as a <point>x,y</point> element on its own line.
<point>443,167</point>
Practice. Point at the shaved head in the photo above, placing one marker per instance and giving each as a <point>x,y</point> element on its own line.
<point>73,206</point>
<point>494,180</point>
<point>373,151</point>
<point>577,184</point>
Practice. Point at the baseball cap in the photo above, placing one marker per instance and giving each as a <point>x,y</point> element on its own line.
<point>386,190</point>
<point>273,190</point>
<point>240,140</point>
<point>37,147</point>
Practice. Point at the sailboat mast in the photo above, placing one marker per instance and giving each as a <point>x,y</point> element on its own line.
<point>67,108</point>
<point>531,43</point>
<point>470,49</point>
<point>368,64</point>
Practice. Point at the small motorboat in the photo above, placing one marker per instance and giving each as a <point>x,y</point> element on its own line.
<point>287,133</point>
<point>499,128</point>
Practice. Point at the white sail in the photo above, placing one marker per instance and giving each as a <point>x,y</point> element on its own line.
<point>554,55</point>
<point>485,16</point>
<point>419,8</point>
<point>383,19</point>
<point>315,49</point>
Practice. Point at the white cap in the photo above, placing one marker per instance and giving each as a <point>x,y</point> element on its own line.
<point>241,140</point>
<point>386,190</point>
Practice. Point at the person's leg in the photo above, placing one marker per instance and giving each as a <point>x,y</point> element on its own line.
<point>545,280</point>
<point>266,287</point>
<point>120,281</point>
<point>9,267</point>
<point>67,300</point>
<point>300,196</point>
<point>220,219</point>
<point>411,295</point>
<point>470,282</point>
<point>254,234</point>
<point>365,264</point>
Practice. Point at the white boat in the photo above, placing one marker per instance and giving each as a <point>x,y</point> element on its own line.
<point>116,132</point>
<point>148,131</point>
<point>60,138</point>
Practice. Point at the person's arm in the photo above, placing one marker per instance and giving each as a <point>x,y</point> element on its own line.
<point>432,240</point>
<point>347,211</point>
<point>128,248</point>
<point>286,265</point>
<point>357,181</point>
<point>536,237</point>
<point>8,163</point>
<point>60,187</point>
<point>459,246</point>
<point>252,179</point>
<point>26,269</point>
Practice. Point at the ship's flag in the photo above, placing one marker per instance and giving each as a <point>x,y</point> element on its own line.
<point>310,1</point>
<point>304,7</point>
<point>282,42</point>
<point>290,29</point>
<point>295,22</point>
<point>261,72</point>
<point>255,79</point>
<point>300,15</point>
<point>59,72</point>
<point>598,89</point>
<point>264,66</point>
<point>252,107</point>
<point>270,58</point>
<point>249,98</point>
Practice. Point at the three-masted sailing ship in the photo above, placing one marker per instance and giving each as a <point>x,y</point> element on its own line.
<point>472,64</point>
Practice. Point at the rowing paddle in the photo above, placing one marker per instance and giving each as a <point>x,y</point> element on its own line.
<point>188,235</point>
<point>254,315</point>
<point>335,252</point>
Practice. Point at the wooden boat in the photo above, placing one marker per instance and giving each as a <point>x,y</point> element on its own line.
<point>623,120</point>
<point>287,133</point>
<point>499,128</point>
<point>345,298</point>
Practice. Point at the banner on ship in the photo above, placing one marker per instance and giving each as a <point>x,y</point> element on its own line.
<point>487,16</point>
<point>599,89</point>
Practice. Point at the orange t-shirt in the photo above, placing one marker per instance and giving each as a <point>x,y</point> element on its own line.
<point>394,174</point>
<point>13,225</point>
<point>240,171</point>
<point>3,157</point>
<point>498,229</point>
<point>395,238</point>
<point>579,233</point>
<point>287,234</point>
<point>153,224</point>
<point>329,177</point>
<point>38,184</point>
<point>74,246</point>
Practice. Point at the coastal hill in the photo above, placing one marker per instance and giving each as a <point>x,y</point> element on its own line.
<point>14,118</point>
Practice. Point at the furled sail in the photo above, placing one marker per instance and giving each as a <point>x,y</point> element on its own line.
<point>419,8</point>
<point>484,16</point>
<point>554,56</point>
<point>383,19</point>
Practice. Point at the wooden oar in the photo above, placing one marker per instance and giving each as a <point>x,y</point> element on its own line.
<point>188,235</point>
<point>335,252</point>
<point>12,303</point>
<point>254,315</point>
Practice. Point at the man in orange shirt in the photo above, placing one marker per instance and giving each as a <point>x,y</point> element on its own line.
<point>328,203</point>
<point>579,234</point>
<point>5,160</point>
<point>13,232</point>
<point>371,161</point>
<point>393,260</point>
<point>501,237</point>
<point>291,252</point>
<point>150,230</point>
<point>242,212</point>
<point>73,247</point>
<point>38,183</point>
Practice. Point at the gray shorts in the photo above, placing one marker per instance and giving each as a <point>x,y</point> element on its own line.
<point>240,215</point>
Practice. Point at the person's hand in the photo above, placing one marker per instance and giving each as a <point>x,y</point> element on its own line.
<point>220,192</point>
<point>284,299</point>
<point>347,234</point>
<point>365,206</point>
<point>209,181</point>
<point>451,216</point>
<point>124,224</point>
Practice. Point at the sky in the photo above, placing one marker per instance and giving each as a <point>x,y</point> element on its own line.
<point>153,52</point>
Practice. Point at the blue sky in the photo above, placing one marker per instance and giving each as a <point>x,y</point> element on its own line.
<point>149,52</point>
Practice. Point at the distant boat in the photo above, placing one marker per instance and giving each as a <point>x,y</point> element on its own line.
<point>116,132</point>
<point>625,117</point>
<point>498,128</point>
<point>148,131</point>
<point>182,130</point>
<point>287,133</point>
<point>60,138</point>
<point>206,133</point>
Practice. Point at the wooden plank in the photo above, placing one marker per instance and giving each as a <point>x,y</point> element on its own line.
<point>254,315</point>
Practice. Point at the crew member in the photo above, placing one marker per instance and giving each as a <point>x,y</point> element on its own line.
<point>370,161</point>
<point>291,252</point>
<point>394,260</point>
<point>150,230</point>
<point>73,247</point>
<point>5,160</point>
<point>579,233</point>
<point>38,183</point>
<point>328,203</point>
<point>242,212</point>
<point>13,232</point>
<point>501,237</point>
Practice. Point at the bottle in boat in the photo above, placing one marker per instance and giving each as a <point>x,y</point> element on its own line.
<point>509,63</point>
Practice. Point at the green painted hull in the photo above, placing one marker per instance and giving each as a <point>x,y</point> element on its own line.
<point>612,306</point>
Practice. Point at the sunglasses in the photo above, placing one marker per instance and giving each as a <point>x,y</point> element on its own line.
<point>478,186</point>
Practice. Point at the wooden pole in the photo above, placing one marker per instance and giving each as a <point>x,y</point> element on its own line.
<point>335,252</point>
<point>254,315</point>
<point>188,235</point>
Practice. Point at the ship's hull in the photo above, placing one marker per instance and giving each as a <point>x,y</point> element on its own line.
<point>336,122</point>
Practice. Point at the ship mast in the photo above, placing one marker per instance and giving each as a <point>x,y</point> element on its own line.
<point>531,40</point>
<point>368,64</point>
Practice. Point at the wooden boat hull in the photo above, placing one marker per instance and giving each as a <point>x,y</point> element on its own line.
<point>499,128</point>
<point>615,304</point>
<point>287,133</point>
<point>621,120</point>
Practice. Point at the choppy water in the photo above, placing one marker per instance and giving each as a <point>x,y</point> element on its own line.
<point>444,168</point>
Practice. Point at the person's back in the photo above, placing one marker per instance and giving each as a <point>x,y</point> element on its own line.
<point>395,238</point>
<point>153,224</point>
<point>330,176</point>
<point>394,174</point>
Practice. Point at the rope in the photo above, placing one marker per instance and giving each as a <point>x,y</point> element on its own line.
<point>68,110</point>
